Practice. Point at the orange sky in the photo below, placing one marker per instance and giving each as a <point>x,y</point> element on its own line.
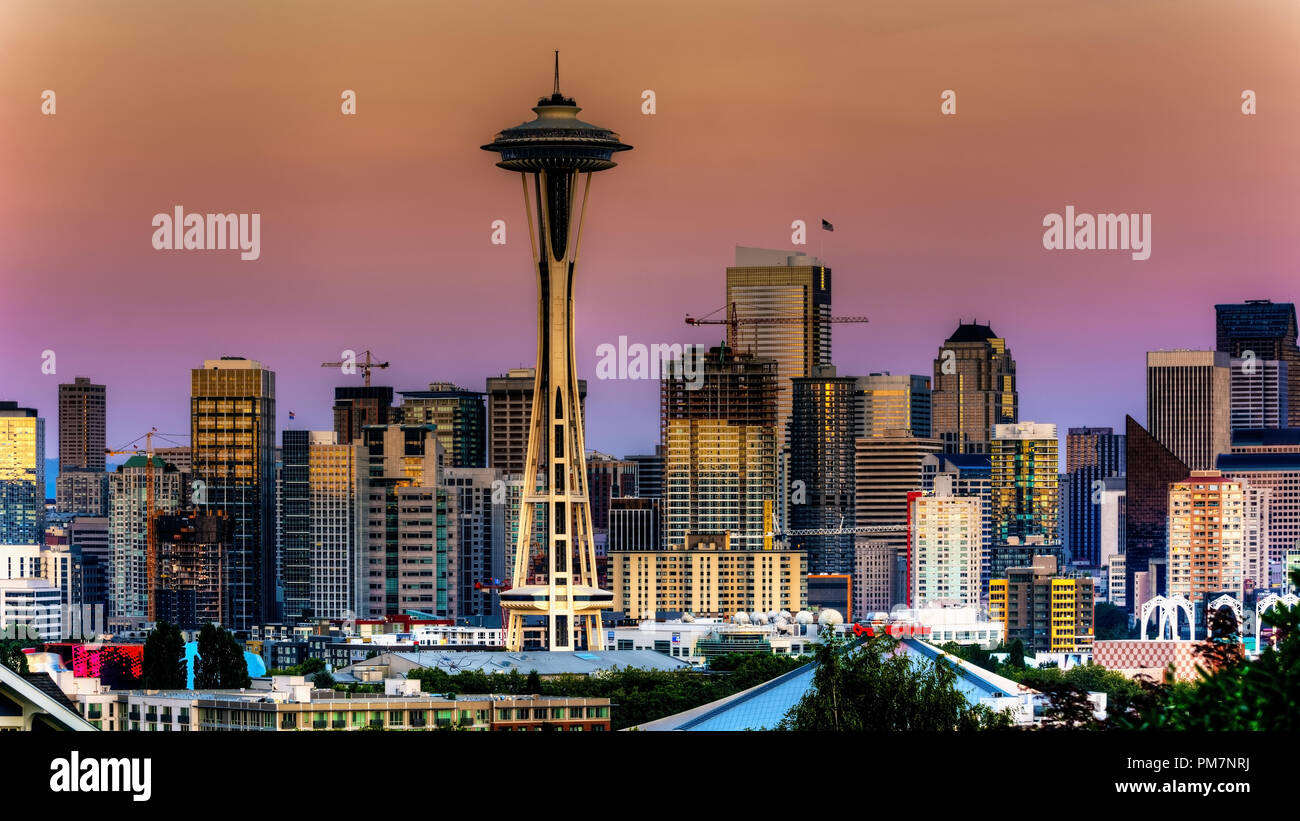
<point>375,228</point>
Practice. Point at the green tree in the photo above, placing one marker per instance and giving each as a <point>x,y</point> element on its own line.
<point>220,664</point>
<point>1016,659</point>
<point>534,682</point>
<point>1240,695</point>
<point>312,666</point>
<point>871,687</point>
<point>323,681</point>
<point>1222,647</point>
<point>163,667</point>
<point>13,657</point>
<point>1111,622</point>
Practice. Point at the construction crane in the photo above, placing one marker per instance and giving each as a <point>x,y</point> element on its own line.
<point>151,514</point>
<point>733,321</point>
<point>365,366</point>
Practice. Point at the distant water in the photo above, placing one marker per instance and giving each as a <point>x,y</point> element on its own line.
<point>52,474</point>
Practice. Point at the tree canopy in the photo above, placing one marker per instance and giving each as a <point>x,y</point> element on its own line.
<point>163,667</point>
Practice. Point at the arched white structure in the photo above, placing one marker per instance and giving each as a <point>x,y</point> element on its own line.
<point>1168,607</point>
<point>1266,604</point>
<point>1218,604</point>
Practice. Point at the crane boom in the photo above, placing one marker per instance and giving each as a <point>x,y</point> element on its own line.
<point>365,366</point>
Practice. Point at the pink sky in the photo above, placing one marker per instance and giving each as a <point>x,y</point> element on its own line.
<point>375,228</point>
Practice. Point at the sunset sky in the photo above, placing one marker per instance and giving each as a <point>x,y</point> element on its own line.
<point>375,229</point>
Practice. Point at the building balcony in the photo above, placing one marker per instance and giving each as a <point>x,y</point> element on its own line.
<point>339,724</point>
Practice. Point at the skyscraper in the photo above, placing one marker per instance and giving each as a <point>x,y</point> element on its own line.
<point>974,389</point>
<point>22,475</point>
<point>1092,455</point>
<point>555,148</point>
<point>459,417</point>
<point>480,546</point>
<point>888,402</point>
<point>719,444</point>
<point>945,548</point>
<point>510,408</point>
<point>823,424</point>
<point>1268,462</point>
<point>649,473</point>
<point>608,478</point>
<point>886,469</point>
<point>1150,468</point>
<point>82,485</point>
<point>317,530</point>
<point>971,476</point>
<point>81,425</point>
<point>768,284</point>
<point>1268,331</point>
<point>1026,482</point>
<point>190,550</point>
<point>1259,397</point>
<point>1206,535</point>
<point>1188,404</point>
<point>128,531</point>
<point>232,442</point>
<point>404,522</point>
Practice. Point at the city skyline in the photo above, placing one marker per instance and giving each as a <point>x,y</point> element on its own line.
<point>1111,128</point>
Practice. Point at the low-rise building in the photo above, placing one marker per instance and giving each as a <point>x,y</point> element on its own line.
<point>1045,610</point>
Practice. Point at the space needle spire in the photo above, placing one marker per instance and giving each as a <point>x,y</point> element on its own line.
<point>549,153</point>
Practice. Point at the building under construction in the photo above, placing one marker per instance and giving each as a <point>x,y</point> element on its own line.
<point>719,439</point>
<point>191,552</point>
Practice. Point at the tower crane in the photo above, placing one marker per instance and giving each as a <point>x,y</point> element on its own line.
<point>734,321</point>
<point>364,366</point>
<point>151,515</point>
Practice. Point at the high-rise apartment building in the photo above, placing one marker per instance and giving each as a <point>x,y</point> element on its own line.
<point>1207,514</point>
<point>128,531</point>
<point>945,553</point>
<point>889,402</point>
<point>886,469</point>
<point>706,575</point>
<point>480,546</point>
<point>22,475</point>
<point>1092,455</point>
<point>82,485</point>
<point>403,532</point>
<point>784,285</point>
<point>649,473</point>
<point>1150,468</point>
<point>970,475</point>
<point>90,535</point>
<point>974,389</point>
<point>1266,330</point>
<point>1188,404</point>
<point>608,478</point>
<point>510,408</point>
<point>319,483</point>
<point>823,427</point>
<point>232,444</point>
<point>81,425</point>
<point>1047,611</point>
<point>1026,481</point>
<point>1268,462</point>
<point>719,442</point>
<point>458,416</point>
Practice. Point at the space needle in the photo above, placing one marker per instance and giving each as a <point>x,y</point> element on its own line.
<point>549,153</point>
